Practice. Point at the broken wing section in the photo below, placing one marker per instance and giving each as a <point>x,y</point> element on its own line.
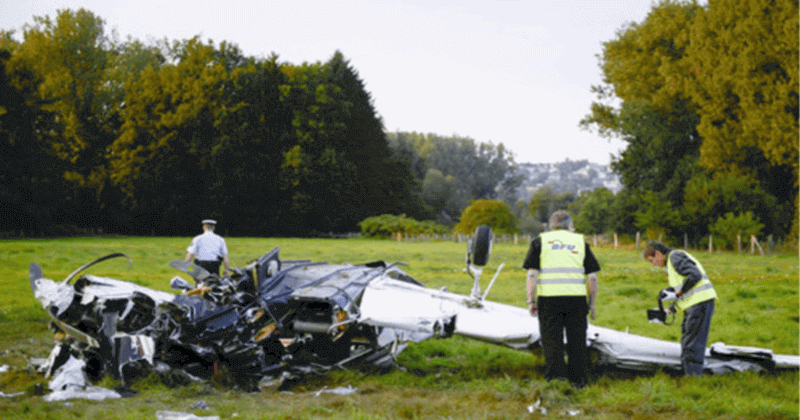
<point>391,303</point>
<point>639,353</point>
<point>632,352</point>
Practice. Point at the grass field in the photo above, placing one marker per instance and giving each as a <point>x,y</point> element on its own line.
<point>437,379</point>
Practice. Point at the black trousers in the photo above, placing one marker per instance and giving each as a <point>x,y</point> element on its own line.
<point>557,314</point>
<point>694,336</point>
<point>210,266</point>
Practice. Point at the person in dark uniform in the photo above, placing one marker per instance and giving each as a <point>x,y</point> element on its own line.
<point>209,249</point>
<point>562,290</point>
<point>693,293</point>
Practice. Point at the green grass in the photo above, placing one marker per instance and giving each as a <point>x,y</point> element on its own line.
<point>451,378</point>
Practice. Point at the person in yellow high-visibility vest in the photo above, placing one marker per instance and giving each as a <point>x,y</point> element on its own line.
<point>693,293</point>
<point>562,289</point>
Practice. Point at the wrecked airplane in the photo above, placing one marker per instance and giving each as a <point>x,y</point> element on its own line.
<point>279,319</point>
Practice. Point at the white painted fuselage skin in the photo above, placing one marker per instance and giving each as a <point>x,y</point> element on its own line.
<point>388,302</point>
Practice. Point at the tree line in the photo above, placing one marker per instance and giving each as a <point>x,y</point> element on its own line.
<point>148,139</point>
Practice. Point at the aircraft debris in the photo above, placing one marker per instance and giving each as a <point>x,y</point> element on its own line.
<point>199,405</point>
<point>342,390</point>
<point>15,394</point>
<point>177,415</point>
<point>274,321</point>
<point>69,382</point>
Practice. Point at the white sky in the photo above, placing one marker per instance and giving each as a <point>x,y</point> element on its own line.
<point>516,72</point>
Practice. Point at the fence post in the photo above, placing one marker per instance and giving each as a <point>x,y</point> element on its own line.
<point>637,240</point>
<point>754,244</point>
<point>685,240</point>
<point>769,243</point>
<point>710,244</point>
<point>738,243</point>
<point>616,242</point>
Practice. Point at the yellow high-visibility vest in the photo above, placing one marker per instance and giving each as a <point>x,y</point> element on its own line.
<point>561,261</point>
<point>702,291</point>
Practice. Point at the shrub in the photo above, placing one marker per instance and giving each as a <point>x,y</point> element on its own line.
<point>389,225</point>
<point>729,226</point>
<point>494,213</point>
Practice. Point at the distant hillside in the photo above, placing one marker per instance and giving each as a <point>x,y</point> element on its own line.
<point>574,176</point>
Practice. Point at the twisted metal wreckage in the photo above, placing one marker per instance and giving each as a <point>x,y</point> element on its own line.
<point>276,319</point>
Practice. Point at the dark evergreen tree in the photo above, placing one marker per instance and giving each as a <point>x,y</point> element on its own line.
<point>248,191</point>
<point>385,183</point>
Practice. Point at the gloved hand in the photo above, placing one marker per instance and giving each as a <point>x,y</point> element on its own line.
<point>668,295</point>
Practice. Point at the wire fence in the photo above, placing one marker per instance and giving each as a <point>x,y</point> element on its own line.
<point>766,244</point>
<point>753,245</point>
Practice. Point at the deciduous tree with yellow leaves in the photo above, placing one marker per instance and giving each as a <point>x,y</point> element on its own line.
<point>702,91</point>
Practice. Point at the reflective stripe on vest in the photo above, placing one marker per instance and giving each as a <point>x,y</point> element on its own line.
<point>561,272</point>
<point>701,292</point>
